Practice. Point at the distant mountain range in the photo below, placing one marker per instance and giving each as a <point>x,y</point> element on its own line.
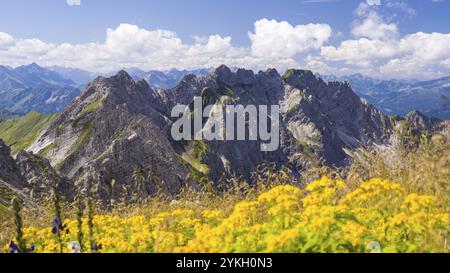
<point>167,79</point>
<point>4,114</point>
<point>157,79</point>
<point>33,88</point>
<point>79,76</point>
<point>394,97</point>
<point>48,90</point>
<point>399,97</point>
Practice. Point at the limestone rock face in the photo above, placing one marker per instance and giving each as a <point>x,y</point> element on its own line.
<point>115,137</point>
<point>41,178</point>
<point>117,133</point>
<point>11,180</point>
<point>29,177</point>
<point>422,122</point>
<point>317,119</point>
<point>329,117</point>
<point>117,126</point>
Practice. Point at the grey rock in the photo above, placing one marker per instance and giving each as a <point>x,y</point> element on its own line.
<point>41,178</point>
<point>422,122</point>
<point>330,117</point>
<point>11,180</point>
<point>114,127</point>
<point>115,136</point>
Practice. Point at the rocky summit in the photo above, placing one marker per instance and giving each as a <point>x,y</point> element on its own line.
<point>116,134</point>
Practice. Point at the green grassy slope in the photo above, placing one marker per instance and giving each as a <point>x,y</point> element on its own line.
<point>20,133</point>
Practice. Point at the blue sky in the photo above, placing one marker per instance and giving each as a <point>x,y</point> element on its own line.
<point>329,36</point>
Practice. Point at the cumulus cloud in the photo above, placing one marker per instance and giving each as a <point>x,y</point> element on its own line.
<point>21,51</point>
<point>359,52</point>
<point>374,27</point>
<point>281,39</point>
<point>274,44</point>
<point>73,2</point>
<point>419,55</point>
<point>376,48</point>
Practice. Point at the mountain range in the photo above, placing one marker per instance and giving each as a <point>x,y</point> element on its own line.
<point>393,97</point>
<point>164,79</point>
<point>396,97</point>
<point>4,114</point>
<point>157,79</point>
<point>116,134</point>
<point>33,88</point>
<point>48,90</point>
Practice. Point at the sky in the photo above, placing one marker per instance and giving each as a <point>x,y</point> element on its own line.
<point>379,38</point>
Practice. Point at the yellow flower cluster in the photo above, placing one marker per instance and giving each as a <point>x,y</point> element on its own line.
<point>326,216</point>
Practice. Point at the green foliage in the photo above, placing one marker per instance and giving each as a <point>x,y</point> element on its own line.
<point>404,128</point>
<point>225,91</point>
<point>20,133</point>
<point>424,168</point>
<point>85,135</point>
<point>44,152</point>
<point>89,109</point>
<point>288,74</point>
<point>197,149</point>
<point>197,170</point>
<point>294,108</point>
<point>307,149</point>
<point>94,106</point>
<point>82,141</point>
<point>6,194</point>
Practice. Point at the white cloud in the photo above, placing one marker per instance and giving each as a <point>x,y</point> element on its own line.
<point>73,2</point>
<point>273,44</point>
<point>359,52</point>
<point>426,46</point>
<point>281,39</point>
<point>132,46</point>
<point>419,55</point>
<point>374,27</point>
<point>21,51</point>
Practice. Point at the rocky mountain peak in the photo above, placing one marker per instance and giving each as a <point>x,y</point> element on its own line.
<point>222,71</point>
<point>123,78</point>
<point>300,78</point>
<point>330,116</point>
<point>122,89</point>
<point>116,126</point>
<point>420,121</point>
